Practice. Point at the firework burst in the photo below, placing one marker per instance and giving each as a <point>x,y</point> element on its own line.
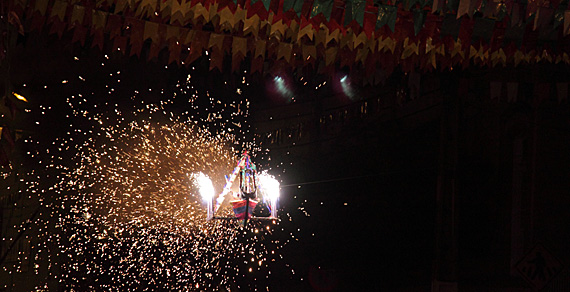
<point>122,211</point>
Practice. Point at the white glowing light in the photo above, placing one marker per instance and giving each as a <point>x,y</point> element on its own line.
<point>346,87</point>
<point>269,186</point>
<point>205,186</point>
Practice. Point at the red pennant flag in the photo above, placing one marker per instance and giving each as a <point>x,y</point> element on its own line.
<point>79,35</point>
<point>57,27</point>
<point>257,65</point>
<point>197,45</point>
<point>216,59</point>
<point>114,25</point>
<point>97,38</point>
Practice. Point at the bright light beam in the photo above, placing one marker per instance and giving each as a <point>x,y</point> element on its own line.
<point>206,188</point>
<point>270,189</point>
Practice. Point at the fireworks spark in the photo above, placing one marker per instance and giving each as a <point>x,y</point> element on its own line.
<point>121,210</point>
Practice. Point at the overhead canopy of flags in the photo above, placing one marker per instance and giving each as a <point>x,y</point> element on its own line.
<point>322,34</point>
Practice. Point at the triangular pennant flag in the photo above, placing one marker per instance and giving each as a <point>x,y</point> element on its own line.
<point>386,16</point>
<point>172,31</point>
<point>216,41</point>
<point>296,5</point>
<point>99,19</point>
<point>251,25</point>
<point>357,10</point>
<point>309,52</point>
<point>464,8</point>
<point>419,19</point>
<point>41,6</point>
<point>266,3</point>
<point>330,55</point>
<point>77,15</point>
<point>259,49</point>
<point>239,46</point>
<point>322,6</point>
<point>284,51</point>
<point>151,31</point>
<point>58,10</point>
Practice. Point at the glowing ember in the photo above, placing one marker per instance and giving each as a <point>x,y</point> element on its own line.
<point>120,213</point>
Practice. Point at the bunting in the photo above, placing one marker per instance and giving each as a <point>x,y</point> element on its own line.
<point>354,33</point>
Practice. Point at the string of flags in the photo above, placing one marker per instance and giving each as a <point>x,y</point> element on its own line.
<point>324,34</point>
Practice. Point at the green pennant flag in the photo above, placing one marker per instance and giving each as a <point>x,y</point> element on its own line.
<point>410,4</point>
<point>297,6</point>
<point>265,3</point>
<point>419,19</point>
<point>354,11</point>
<point>386,16</point>
<point>322,6</point>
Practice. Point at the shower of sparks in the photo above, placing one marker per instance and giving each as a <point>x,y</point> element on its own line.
<point>119,210</point>
<point>204,185</point>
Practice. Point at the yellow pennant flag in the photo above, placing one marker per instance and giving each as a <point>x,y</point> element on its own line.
<point>390,44</point>
<point>99,19</point>
<point>518,56</point>
<point>330,55</point>
<point>239,15</point>
<point>320,36</point>
<point>472,52</point>
<point>200,11</point>
<point>306,31</point>
<point>216,40</point>
<point>361,55</point>
<point>546,56</point>
<point>309,51</point>
<point>284,51</point>
<point>259,49</point>
<point>332,36</point>
<point>292,31</point>
<point>58,10</point>
<point>226,17</point>
<point>77,14</point>
<point>172,31</point>
<point>251,25</point>
<point>457,49</point>
<point>278,30</point>
<point>360,39</point>
<point>151,31</point>
<point>212,10</point>
<point>239,45</point>
<point>409,48</point>
<point>167,7</point>
<point>41,6</point>
<point>429,45</point>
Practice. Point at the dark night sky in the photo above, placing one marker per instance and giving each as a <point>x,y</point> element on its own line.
<point>370,189</point>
